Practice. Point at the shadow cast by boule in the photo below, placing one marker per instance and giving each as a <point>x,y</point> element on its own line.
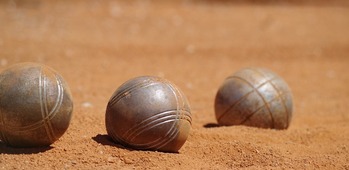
<point>4,149</point>
<point>211,125</point>
<point>108,141</point>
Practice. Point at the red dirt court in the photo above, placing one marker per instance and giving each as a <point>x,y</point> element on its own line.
<point>97,45</point>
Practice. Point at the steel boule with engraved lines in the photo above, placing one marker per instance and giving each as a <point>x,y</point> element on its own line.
<point>254,97</point>
<point>148,113</point>
<point>35,105</point>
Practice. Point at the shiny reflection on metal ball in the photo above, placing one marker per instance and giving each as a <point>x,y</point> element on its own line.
<point>35,105</point>
<point>149,113</point>
<point>254,97</point>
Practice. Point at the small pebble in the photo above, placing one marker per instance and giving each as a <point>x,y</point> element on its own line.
<point>111,159</point>
<point>128,161</point>
<point>87,105</point>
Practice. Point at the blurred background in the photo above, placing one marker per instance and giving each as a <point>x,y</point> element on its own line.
<point>96,45</point>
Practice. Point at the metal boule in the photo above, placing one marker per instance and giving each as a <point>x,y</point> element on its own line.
<point>149,113</point>
<point>35,105</point>
<point>254,97</point>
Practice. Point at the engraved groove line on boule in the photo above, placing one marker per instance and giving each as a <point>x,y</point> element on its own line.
<point>143,84</point>
<point>172,133</point>
<point>48,122</point>
<point>186,115</point>
<point>168,117</point>
<point>132,133</point>
<point>182,98</point>
<point>260,95</point>
<point>279,94</point>
<point>113,133</point>
<point>264,100</point>
<point>144,125</point>
<point>161,140</point>
<point>130,89</point>
<point>147,122</point>
<point>52,113</point>
<point>175,123</point>
<point>121,93</point>
<point>258,109</point>
<point>170,136</point>
<point>126,91</point>
<point>282,101</point>
<point>58,103</point>
<point>152,124</point>
<point>232,106</point>
<point>43,104</point>
<point>115,136</point>
<point>154,145</point>
<point>59,100</point>
<point>153,121</point>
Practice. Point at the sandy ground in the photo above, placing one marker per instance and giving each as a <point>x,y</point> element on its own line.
<point>97,45</point>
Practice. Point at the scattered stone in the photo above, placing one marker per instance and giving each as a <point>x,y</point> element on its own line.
<point>128,161</point>
<point>111,159</point>
<point>87,105</point>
